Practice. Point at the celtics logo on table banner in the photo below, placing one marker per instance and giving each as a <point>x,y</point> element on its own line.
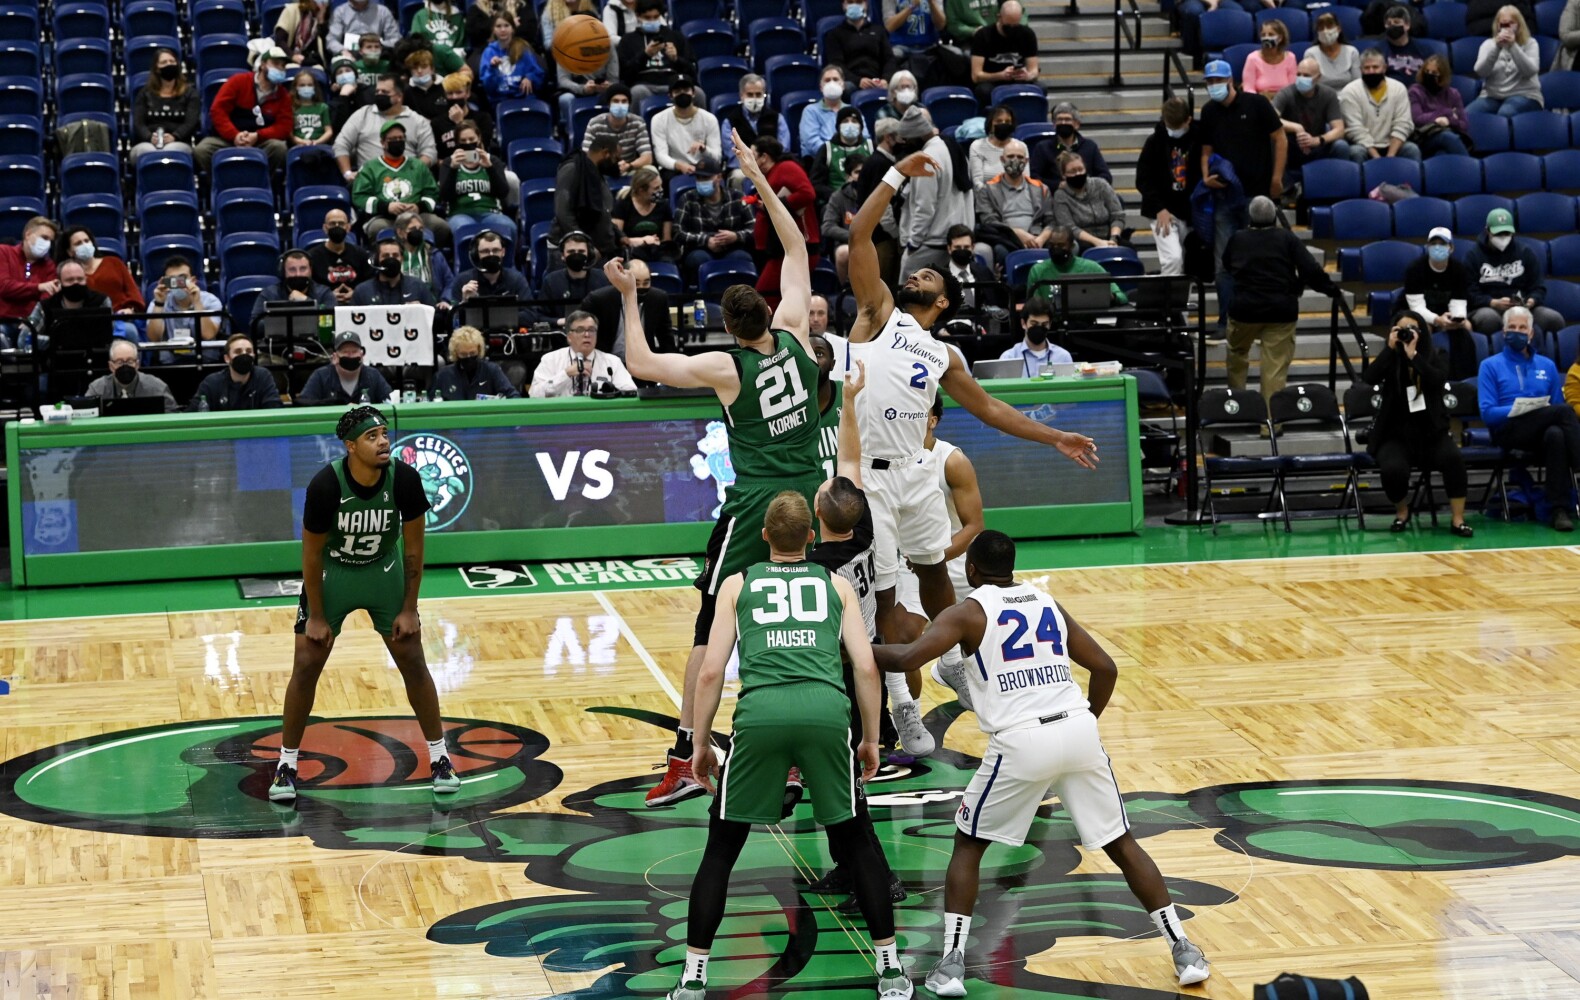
<point>446,475</point>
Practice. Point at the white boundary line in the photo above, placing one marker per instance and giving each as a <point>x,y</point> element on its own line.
<point>637,647</point>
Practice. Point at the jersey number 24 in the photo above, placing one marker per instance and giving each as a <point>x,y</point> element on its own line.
<point>1047,631</point>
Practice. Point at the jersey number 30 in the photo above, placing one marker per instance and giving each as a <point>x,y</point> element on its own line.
<point>804,600</point>
<point>780,388</point>
<point>1047,631</point>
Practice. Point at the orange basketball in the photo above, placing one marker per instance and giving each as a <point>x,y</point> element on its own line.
<point>581,44</point>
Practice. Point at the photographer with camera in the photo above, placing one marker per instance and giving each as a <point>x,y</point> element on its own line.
<point>1411,429</point>
<point>176,292</point>
<point>579,369</point>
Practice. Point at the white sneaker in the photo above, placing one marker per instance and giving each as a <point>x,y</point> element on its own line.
<point>895,985</point>
<point>948,977</point>
<point>950,671</point>
<point>693,990</point>
<point>914,737</point>
<point>1190,963</point>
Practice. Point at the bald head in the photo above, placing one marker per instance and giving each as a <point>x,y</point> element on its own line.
<point>1309,69</point>
<point>1009,14</point>
<point>1014,148</point>
<point>639,273</point>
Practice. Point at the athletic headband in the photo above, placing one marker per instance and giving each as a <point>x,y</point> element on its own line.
<point>364,425</point>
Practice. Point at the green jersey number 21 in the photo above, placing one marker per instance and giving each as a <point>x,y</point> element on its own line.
<point>804,600</point>
<point>779,388</point>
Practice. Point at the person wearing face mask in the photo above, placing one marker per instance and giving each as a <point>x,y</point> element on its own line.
<point>396,183</point>
<point>1088,206</point>
<point>390,286</point>
<point>903,92</point>
<point>441,23</point>
<point>491,277</point>
<point>1063,262</point>
<point>985,158</point>
<point>684,131</point>
<point>1003,52</point>
<point>27,275</point>
<point>176,292</point>
<point>751,118</point>
<point>1034,351</point>
<point>166,114</point>
<point>371,62</point>
<point>1312,118</point>
<point>979,286</point>
<point>421,260</point>
<point>783,173</point>
<point>472,185</point>
<point>1377,121</point>
<point>296,287</point>
<point>1505,273</point>
<point>842,207</point>
<point>362,141</point>
<point>1272,67</point>
<point>300,32</point>
<point>241,385</point>
<point>1438,111</point>
<point>1508,64</point>
<point>578,278</point>
<point>575,368</point>
<point>345,95</point>
<point>582,199</point>
<point>1067,125</point>
<point>126,380</point>
<point>713,223</point>
<point>345,379</point>
<point>1437,289</point>
<point>351,21</point>
<point>75,296</point>
<point>1014,211</point>
<point>1339,61</point>
<point>828,167</point>
<point>934,202</point>
<point>819,122</point>
<point>1551,431</point>
<point>310,124</point>
<point>470,375</point>
<point>860,46</point>
<point>337,262</point>
<point>655,55</point>
<point>1403,53</point>
<point>641,213</point>
<point>251,111</point>
<point>107,274</point>
<point>424,93</point>
<point>1167,171</point>
<point>633,148</point>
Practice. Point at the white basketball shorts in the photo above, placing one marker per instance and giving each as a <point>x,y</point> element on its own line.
<point>909,517</point>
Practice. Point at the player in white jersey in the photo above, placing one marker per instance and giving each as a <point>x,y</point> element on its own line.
<point>905,368</point>
<point>1042,735</point>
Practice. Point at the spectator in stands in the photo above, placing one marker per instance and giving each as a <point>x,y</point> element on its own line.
<point>345,380</point>
<point>608,306</point>
<point>251,111</point>
<point>751,118</point>
<point>620,18</point>
<point>1481,15</point>
<point>296,287</point>
<point>346,95</point>
<point>1339,61</point>
<point>1270,267</point>
<point>575,368</point>
<point>27,275</point>
<point>1411,428</point>
<point>1088,206</point>
<point>819,122</point>
<point>490,277</point>
<point>1377,121</point>
<point>683,131</point>
<point>1034,351</point>
<point>1003,52</point>
<point>1272,67</point>
<point>424,91</point>
<point>470,375</point>
<point>107,275</point>
<point>440,22</point>
<point>1404,55</point>
<point>361,140</point>
<point>337,262</point>
<point>1167,171</point>
<point>1569,36</point>
<point>177,291</point>
<point>1313,121</point>
<point>458,108</point>
<point>642,215</point>
<point>1437,289</point>
<point>126,380</point>
<point>964,18</point>
<point>508,68</point>
<point>355,18</point>
<point>582,200</point>
<point>978,285</point>
<point>1504,274</point>
<point>1438,111</point>
<point>1045,158</point>
<point>472,185</point>
<point>421,260</point>
<point>166,113</point>
<point>371,62</point>
<point>556,11</point>
<point>633,148</point>
<point>75,295</point>
<point>654,56</point>
<point>816,316</point>
<point>574,85</point>
<point>1064,262</point>
<point>932,204</point>
<point>1188,13</point>
<point>986,154</point>
<point>241,384</point>
<point>395,183</point>
<point>478,25</point>
<point>1572,386</point>
<point>715,223</point>
<point>842,207</point>
<point>858,45</point>
<point>1374,13</point>
<point>576,280</point>
<point>311,127</point>
<point>1247,134</point>
<point>1552,431</point>
<point>390,285</point>
<point>914,27</point>
<point>301,31</point>
<point>1508,65</point>
<point>903,93</point>
<point>885,239</point>
<point>828,166</point>
<point>786,177</point>
<point>1014,212</point>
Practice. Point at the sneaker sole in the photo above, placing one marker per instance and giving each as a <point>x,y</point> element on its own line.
<point>1193,975</point>
<point>447,789</point>
<point>282,796</point>
<point>949,988</point>
<point>938,675</point>
<point>678,795</point>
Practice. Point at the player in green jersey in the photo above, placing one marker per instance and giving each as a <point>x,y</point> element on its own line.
<point>767,384</point>
<point>789,616</point>
<point>363,516</point>
<point>828,407</point>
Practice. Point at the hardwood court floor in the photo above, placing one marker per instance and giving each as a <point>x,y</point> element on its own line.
<point>1363,765</point>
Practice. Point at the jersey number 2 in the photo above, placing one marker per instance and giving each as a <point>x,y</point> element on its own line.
<point>1047,631</point>
<point>360,545</point>
<point>803,600</point>
<point>919,380</point>
<point>780,388</point>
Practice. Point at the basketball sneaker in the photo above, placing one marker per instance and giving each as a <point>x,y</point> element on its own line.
<point>694,990</point>
<point>852,907</point>
<point>914,737</point>
<point>678,784</point>
<point>950,671</point>
<point>1190,963</point>
<point>794,790</point>
<point>444,778</point>
<point>284,787</point>
<point>948,978</point>
<point>895,985</point>
<point>837,881</point>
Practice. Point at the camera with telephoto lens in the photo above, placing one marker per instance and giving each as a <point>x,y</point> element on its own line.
<point>1405,334</point>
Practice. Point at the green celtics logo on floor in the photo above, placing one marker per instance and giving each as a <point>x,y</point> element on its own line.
<point>364,786</point>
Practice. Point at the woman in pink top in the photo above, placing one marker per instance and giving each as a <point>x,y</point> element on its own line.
<point>1273,68</point>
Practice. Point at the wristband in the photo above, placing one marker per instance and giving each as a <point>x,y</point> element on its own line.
<point>894,178</point>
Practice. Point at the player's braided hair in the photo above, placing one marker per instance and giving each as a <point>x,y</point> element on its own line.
<point>354,416</point>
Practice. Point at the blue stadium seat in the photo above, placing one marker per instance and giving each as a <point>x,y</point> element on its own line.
<point>219,17</point>
<point>950,105</point>
<point>81,20</point>
<point>583,111</point>
<point>723,104</point>
<point>170,213</point>
<point>681,11</point>
<point>774,36</point>
<point>139,52</point>
<point>714,276</point>
<point>243,255</point>
<point>537,201</point>
<point>101,213</point>
<point>523,118</point>
<point>1359,220</point>
<point>1545,212</point>
<point>539,234</point>
<point>1564,296</point>
<point>655,103</point>
<point>1391,170</point>
<point>678,187</point>
<point>1490,133</point>
<point>1462,53</point>
<point>309,205</point>
<point>792,105</point>
<point>1445,20</point>
<point>1295,19</point>
<point>532,159</point>
<point>751,11</point>
<point>19,24</point>
<point>820,29</point>
<point>1385,263</point>
<point>788,73</point>
<point>1541,131</point>
<point>22,134</point>
<point>151,17</point>
<point>216,52</point>
<point>14,213</point>
<point>1546,49</point>
<point>269,14</point>
<point>667,277</point>
<point>84,93</point>
<point>21,95</point>
<point>1468,86</point>
<point>166,170</point>
<point>240,168</point>
<point>90,173</point>
<point>721,74</point>
<point>1443,176</point>
<point>1564,253</point>
<point>1537,247</point>
<point>309,166</point>
<point>21,176</point>
<point>1413,218</point>
<point>1505,173</point>
<point>1568,347</point>
<point>710,37</point>
<point>1027,102</point>
<point>1034,134</point>
<point>22,58</point>
<point>1470,212</point>
<point>815,10</point>
<point>241,294</point>
<point>1236,55</point>
<point>84,55</point>
<point>1226,26</point>
<point>1332,180</point>
<point>244,210</point>
<point>1018,265</point>
<point>408,13</point>
<point>1548,13</point>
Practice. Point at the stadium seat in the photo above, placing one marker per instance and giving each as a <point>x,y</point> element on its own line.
<point>1506,173</point>
<point>1027,102</point>
<point>950,106</point>
<point>655,103</point>
<point>821,27</point>
<point>14,213</point>
<point>815,10</point>
<point>90,173</point>
<point>241,294</point>
<point>19,24</point>
<point>1445,21</point>
<point>244,210</point>
<point>1226,26</point>
<point>523,118</point>
<point>791,105</point>
<point>667,277</point>
<point>1331,180</point>
<point>244,255</point>
<point>681,11</point>
<point>1233,409</point>
<point>81,20</point>
<point>1445,176</point>
<point>1469,87</point>
<point>534,159</point>
<point>537,201</point>
<point>678,186</point>
<point>1391,170</point>
<point>1564,254</point>
<point>709,37</point>
<point>714,276</point>
<point>1564,296</point>
<point>21,176</point>
<point>1035,133</point>
<point>1462,53</point>
<point>1568,347</point>
<point>101,213</point>
<point>153,17</point>
<point>269,14</point>
<point>539,235</point>
<point>1540,131</point>
<point>84,55</point>
<point>84,93</point>
<point>1490,133</point>
<point>21,95</point>
<point>216,52</point>
<point>22,134</point>
<point>774,36</point>
<point>721,74</point>
<point>1236,55</point>
<point>869,101</point>
<point>1018,265</point>
<point>1385,263</point>
<point>1547,50</point>
<point>309,205</point>
<point>1361,220</point>
<point>309,166</point>
<point>1470,212</point>
<point>219,17</point>
<point>166,170</point>
<point>1413,218</point>
<point>583,111</point>
<point>1295,19</point>
<point>139,52</point>
<point>170,213</point>
<point>1548,13</point>
<point>788,73</point>
<point>752,11</point>
<point>1545,212</point>
<point>240,168</point>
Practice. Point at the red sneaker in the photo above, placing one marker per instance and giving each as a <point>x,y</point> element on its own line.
<point>677,785</point>
<point>794,789</point>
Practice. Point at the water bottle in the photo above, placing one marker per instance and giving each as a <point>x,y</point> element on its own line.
<point>202,404</point>
<point>699,314</point>
<point>25,339</point>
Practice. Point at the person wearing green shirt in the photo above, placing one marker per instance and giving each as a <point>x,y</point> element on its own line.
<point>472,184</point>
<point>396,183</point>
<point>372,64</point>
<point>310,113</point>
<point>966,16</point>
<point>441,23</point>
<point>1064,262</point>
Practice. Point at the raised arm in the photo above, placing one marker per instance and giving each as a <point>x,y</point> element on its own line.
<point>999,415</point>
<point>873,299</point>
<point>714,369</point>
<point>847,460</point>
<point>961,625</point>
<point>795,284</point>
<point>710,682</point>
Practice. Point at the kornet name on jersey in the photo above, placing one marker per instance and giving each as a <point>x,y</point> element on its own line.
<point>904,367</point>
<point>1021,671</point>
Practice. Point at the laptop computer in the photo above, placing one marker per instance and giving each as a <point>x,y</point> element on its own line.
<point>1087,296</point>
<point>999,368</point>
<point>1161,296</point>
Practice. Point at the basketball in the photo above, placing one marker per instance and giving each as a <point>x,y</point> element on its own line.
<point>581,44</point>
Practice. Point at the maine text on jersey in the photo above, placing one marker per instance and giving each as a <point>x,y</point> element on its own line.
<point>364,522</point>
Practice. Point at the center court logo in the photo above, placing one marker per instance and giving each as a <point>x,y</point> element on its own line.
<point>446,475</point>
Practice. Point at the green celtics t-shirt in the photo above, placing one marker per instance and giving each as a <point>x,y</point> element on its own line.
<point>310,121</point>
